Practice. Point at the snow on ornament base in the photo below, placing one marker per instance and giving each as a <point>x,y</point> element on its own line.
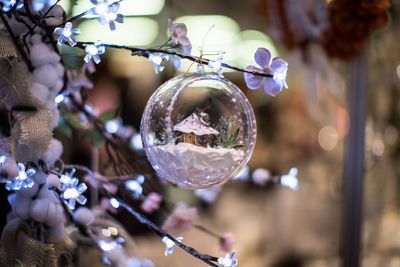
<point>198,130</point>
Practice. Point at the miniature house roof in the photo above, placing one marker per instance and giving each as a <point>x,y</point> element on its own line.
<point>196,125</point>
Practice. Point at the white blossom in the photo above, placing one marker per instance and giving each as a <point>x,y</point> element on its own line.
<point>67,34</point>
<point>108,13</point>
<point>23,180</point>
<point>216,65</point>
<point>93,51</point>
<point>228,260</point>
<point>72,192</point>
<point>9,4</point>
<point>135,186</point>
<point>169,244</point>
<point>40,4</point>
<point>290,179</point>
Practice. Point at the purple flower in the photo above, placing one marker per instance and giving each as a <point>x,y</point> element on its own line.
<point>180,220</point>
<point>178,35</point>
<point>278,68</point>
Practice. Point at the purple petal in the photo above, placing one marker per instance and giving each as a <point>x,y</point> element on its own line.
<point>272,87</point>
<point>262,57</point>
<point>170,24</point>
<point>253,81</point>
<point>278,64</point>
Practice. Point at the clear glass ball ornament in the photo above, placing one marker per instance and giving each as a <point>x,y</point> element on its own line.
<point>198,130</point>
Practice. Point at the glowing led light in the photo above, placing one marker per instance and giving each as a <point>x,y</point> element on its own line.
<point>135,186</point>
<point>66,34</point>
<point>59,98</point>
<point>169,244</point>
<point>112,126</point>
<point>290,179</point>
<point>114,203</point>
<point>136,142</point>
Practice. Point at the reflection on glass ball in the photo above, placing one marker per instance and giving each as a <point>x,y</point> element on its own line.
<point>198,130</point>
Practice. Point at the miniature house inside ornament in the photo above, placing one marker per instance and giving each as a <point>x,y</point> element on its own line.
<point>198,130</point>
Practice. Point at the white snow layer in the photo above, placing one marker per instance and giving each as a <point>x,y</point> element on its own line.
<point>196,166</point>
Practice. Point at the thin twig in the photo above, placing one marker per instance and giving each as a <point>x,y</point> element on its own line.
<point>204,257</point>
<point>200,60</point>
<point>15,41</point>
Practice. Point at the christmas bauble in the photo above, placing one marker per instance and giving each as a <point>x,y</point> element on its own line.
<point>198,130</point>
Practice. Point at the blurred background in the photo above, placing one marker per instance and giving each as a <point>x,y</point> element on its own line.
<point>304,126</point>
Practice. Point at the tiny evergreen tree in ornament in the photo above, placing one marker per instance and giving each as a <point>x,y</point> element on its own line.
<point>42,89</point>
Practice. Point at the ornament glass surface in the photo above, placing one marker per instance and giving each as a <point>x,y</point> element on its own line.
<point>198,130</point>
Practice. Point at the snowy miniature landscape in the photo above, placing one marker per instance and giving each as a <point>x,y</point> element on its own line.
<point>198,164</point>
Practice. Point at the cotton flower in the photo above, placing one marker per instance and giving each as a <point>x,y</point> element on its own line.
<point>180,220</point>
<point>93,51</point>
<point>169,244</point>
<point>178,35</point>
<point>228,260</point>
<point>67,34</point>
<point>226,241</point>
<point>151,202</point>
<point>278,68</point>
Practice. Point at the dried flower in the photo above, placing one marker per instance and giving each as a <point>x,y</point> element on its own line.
<point>178,35</point>
<point>278,68</point>
<point>151,202</point>
<point>180,220</point>
<point>226,241</point>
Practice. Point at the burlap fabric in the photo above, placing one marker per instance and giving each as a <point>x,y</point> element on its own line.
<point>31,133</point>
<point>19,249</point>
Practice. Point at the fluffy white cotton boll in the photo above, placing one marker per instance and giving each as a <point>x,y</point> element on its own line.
<point>21,207</point>
<point>40,177</point>
<point>40,91</point>
<point>84,216</point>
<point>36,39</point>
<point>55,116</point>
<point>46,75</point>
<point>57,88</point>
<point>45,192</point>
<point>53,152</point>
<point>58,218</point>
<point>29,191</point>
<point>60,70</point>
<point>39,209</point>
<point>9,169</point>
<point>53,21</point>
<point>51,212</point>
<point>54,58</point>
<point>39,54</point>
<point>56,234</point>
<point>57,11</point>
<point>52,180</point>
